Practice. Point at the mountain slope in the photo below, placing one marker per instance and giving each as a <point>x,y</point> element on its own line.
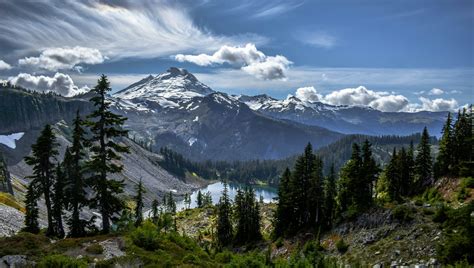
<point>213,126</point>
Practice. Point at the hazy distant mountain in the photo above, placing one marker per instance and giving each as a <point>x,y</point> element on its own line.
<point>346,119</point>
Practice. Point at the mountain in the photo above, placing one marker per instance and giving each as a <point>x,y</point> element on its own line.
<point>346,119</point>
<point>175,110</point>
<point>30,111</point>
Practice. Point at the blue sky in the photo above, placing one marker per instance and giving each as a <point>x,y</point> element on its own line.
<point>421,50</point>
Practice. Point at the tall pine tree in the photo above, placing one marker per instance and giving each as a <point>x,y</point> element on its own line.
<point>31,207</point>
<point>247,214</point>
<point>284,212</point>
<point>58,202</point>
<point>224,224</point>
<point>423,163</point>
<point>43,153</point>
<point>139,204</point>
<point>329,197</point>
<point>105,127</point>
<point>445,160</point>
<point>75,185</point>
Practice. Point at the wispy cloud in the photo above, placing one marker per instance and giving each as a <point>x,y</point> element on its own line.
<point>119,29</point>
<point>316,38</point>
<point>273,9</point>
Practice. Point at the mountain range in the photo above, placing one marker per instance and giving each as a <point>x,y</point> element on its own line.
<point>176,110</point>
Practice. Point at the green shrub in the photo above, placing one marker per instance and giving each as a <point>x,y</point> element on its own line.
<point>24,244</point>
<point>463,194</point>
<point>418,202</point>
<point>468,182</point>
<point>251,260</point>
<point>432,195</point>
<point>341,246</point>
<point>146,236</point>
<point>223,257</point>
<point>428,211</point>
<point>402,213</point>
<point>459,236</point>
<point>95,249</point>
<point>191,259</point>
<point>61,261</point>
<point>279,242</point>
<point>440,214</point>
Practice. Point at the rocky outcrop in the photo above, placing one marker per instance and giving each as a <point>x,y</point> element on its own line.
<point>32,110</point>
<point>5,179</point>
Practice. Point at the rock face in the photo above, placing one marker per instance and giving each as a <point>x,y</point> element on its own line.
<point>28,110</point>
<point>5,179</point>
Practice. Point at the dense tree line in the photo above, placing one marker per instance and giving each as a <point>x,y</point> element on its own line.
<point>455,147</point>
<point>62,183</point>
<point>269,171</point>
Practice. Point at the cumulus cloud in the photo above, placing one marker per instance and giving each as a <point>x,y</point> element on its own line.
<point>439,104</point>
<point>54,59</point>
<point>362,96</point>
<point>4,65</point>
<point>308,94</point>
<point>436,91</point>
<point>248,58</point>
<point>59,83</point>
<point>119,29</point>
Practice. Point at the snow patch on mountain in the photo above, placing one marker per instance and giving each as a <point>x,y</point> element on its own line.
<point>10,140</point>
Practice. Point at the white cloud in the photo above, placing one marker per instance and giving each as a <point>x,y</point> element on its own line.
<point>4,65</point>
<point>54,59</point>
<point>308,94</point>
<point>362,96</point>
<point>248,58</point>
<point>60,83</point>
<point>390,103</point>
<point>436,91</point>
<point>121,29</point>
<point>438,104</point>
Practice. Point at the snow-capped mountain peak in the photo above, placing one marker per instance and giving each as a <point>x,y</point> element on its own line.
<point>175,83</point>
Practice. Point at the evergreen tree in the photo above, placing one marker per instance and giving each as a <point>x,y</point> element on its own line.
<point>329,197</point>
<point>392,177</point>
<point>410,169</point>
<point>445,160</point>
<point>347,183</point>
<point>284,212</point>
<point>154,211</point>
<point>423,162</point>
<point>75,193</point>
<point>369,172</point>
<point>139,204</point>
<point>43,152</point>
<point>224,225</point>
<point>187,201</point>
<point>170,203</point>
<point>105,126</point>
<point>58,202</point>
<point>199,199</point>
<point>31,213</point>
<point>247,213</point>
<point>303,186</point>
<point>463,144</point>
